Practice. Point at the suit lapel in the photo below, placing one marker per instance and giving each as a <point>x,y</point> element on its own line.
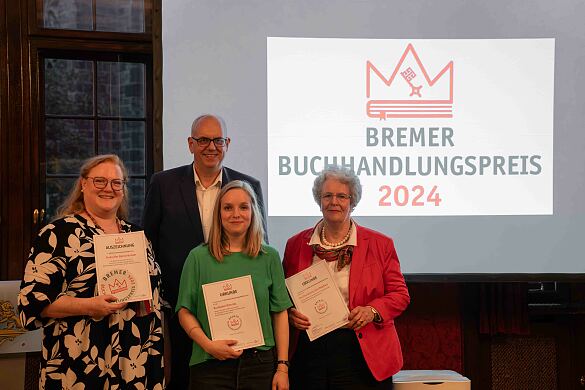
<point>225,177</point>
<point>190,198</point>
<point>357,264</point>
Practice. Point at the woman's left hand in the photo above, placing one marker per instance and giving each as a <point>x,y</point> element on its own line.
<point>359,317</point>
<point>280,380</point>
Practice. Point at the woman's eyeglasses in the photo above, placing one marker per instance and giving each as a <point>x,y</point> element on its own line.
<point>328,197</point>
<point>101,182</point>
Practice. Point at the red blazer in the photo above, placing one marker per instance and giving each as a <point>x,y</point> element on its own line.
<point>374,280</point>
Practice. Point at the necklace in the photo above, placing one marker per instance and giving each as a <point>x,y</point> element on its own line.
<point>99,227</point>
<point>335,245</point>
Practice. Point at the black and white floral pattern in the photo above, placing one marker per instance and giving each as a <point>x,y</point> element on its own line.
<point>120,351</point>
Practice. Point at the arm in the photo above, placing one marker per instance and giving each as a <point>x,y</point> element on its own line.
<point>219,349</point>
<point>280,325</point>
<point>395,298</point>
<point>186,305</point>
<point>96,307</point>
<point>46,293</point>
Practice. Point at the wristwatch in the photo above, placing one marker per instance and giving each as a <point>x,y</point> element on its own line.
<point>377,316</point>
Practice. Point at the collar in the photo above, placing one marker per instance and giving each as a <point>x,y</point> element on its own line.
<point>217,182</point>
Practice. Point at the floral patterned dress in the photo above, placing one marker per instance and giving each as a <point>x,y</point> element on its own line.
<point>119,351</point>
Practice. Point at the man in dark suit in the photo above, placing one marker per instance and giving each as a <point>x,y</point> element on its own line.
<point>177,218</point>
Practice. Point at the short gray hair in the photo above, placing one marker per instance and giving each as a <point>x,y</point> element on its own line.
<point>343,175</point>
<point>218,118</point>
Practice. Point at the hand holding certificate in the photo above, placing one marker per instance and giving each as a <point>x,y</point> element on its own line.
<point>232,312</point>
<point>122,266</point>
<point>316,295</point>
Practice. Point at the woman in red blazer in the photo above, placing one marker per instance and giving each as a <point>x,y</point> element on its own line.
<point>366,352</point>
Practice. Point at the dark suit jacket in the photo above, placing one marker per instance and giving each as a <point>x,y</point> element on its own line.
<point>171,220</point>
<point>374,280</point>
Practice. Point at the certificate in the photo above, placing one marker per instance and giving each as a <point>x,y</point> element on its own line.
<point>232,312</point>
<point>316,295</point>
<point>122,266</point>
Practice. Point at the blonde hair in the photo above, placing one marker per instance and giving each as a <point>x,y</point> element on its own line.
<point>218,240</point>
<point>74,203</point>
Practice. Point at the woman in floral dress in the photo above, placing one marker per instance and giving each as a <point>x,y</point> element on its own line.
<point>89,341</point>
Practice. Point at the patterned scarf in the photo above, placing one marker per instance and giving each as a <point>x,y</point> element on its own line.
<point>341,255</point>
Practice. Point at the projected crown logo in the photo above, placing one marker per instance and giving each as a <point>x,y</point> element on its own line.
<point>118,286</point>
<point>227,286</point>
<point>118,240</point>
<point>409,92</point>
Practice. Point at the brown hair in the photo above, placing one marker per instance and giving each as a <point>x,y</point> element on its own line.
<point>74,202</point>
<point>218,240</point>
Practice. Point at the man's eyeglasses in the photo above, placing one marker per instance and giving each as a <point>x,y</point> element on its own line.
<point>204,141</point>
<point>328,196</point>
<point>101,182</point>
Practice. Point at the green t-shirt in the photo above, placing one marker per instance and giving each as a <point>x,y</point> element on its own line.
<point>267,278</point>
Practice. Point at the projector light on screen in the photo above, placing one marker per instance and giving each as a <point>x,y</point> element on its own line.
<point>432,127</point>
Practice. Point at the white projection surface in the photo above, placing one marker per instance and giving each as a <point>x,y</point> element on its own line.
<point>463,128</point>
<point>464,120</point>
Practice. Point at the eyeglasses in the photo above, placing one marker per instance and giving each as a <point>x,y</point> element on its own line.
<point>101,182</point>
<point>328,197</point>
<point>204,141</point>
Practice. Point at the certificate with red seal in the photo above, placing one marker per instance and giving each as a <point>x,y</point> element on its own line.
<point>316,295</point>
<point>232,312</point>
<point>121,266</point>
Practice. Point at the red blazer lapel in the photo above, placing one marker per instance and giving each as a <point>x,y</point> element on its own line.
<point>305,253</point>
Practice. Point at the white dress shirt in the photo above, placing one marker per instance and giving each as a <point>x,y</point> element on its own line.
<point>206,197</point>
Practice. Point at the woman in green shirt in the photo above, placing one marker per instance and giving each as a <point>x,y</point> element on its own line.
<point>235,249</point>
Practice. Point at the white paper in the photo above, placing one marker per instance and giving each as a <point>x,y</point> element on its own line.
<point>485,107</point>
<point>122,266</point>
<point>316,295</point>
<point>232,312</point>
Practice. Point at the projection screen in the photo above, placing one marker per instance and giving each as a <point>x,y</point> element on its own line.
<point>463,119</point>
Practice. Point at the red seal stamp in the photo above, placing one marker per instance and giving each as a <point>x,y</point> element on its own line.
<point>321,306</point>
<point>234,322</point>
<point>120,283</point>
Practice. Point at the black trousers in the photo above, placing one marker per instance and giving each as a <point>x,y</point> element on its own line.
<point>332,362</point>
<point>181,347</point>
<point>253,370</point>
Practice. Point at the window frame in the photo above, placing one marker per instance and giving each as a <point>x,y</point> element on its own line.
<point>39,54</point>
<point>19,113</point>
<point>36,26</point>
